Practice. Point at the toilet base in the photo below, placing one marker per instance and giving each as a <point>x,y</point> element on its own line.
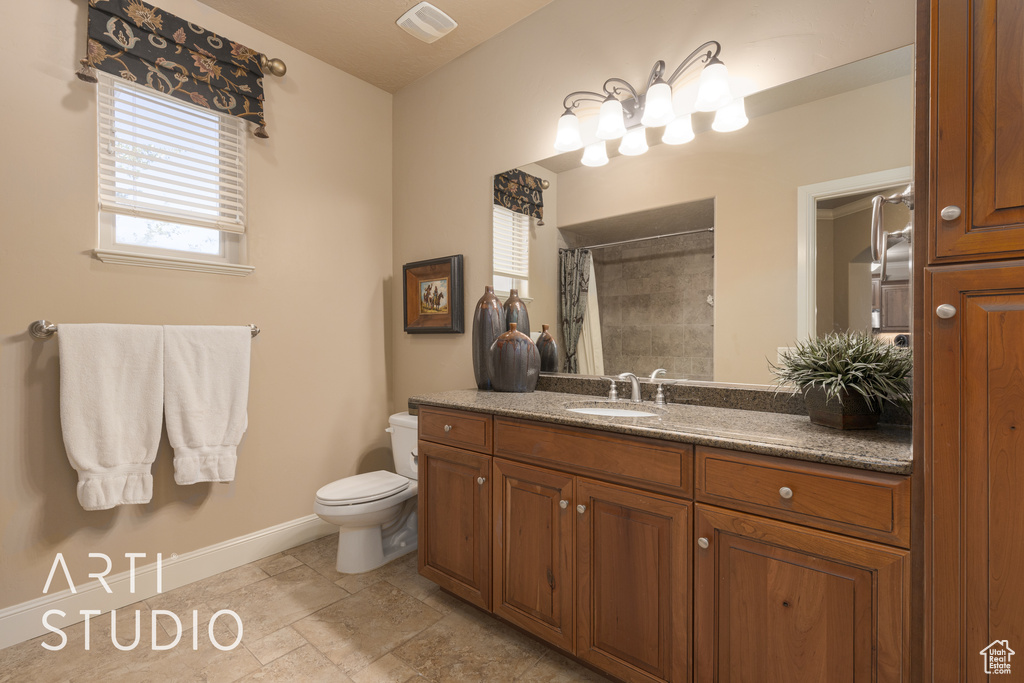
<point>366,549</point>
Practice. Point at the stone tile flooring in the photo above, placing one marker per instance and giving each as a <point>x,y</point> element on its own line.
<point>301,621</point>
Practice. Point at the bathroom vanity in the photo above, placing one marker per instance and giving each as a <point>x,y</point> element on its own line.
<point>696,544</point>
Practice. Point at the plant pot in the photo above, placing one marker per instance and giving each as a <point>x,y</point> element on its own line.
<point>853,412</point>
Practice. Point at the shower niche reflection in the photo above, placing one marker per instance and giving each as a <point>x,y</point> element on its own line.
<point>650,301</point>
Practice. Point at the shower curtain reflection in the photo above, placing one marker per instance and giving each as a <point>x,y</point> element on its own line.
<point>574,275</point>
<point>590,349</point>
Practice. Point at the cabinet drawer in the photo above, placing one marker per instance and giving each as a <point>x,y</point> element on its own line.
<point>870,505</point>
<point>472,431</point>
<point>656,465</point>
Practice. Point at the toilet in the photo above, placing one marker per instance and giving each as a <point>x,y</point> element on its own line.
<point>377,510</point>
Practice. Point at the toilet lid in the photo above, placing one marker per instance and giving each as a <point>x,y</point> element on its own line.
<point>362,488</point>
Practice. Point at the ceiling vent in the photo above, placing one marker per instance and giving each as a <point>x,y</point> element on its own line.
<point>426,22</point>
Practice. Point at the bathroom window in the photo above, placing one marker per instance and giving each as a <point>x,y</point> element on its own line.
<point>511,251</point>
<point>172,190</point>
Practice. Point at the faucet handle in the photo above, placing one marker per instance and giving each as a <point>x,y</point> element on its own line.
<point>659,398</point>
<point>659,371</point>
<point>613,392</point>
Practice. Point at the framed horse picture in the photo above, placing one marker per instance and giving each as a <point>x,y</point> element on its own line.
<point>432,296</point>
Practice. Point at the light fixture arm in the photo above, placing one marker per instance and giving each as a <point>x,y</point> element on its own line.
<point>704,51</point>
<point>657,72</point>
<point>614,90</point>
<point>573,99</point>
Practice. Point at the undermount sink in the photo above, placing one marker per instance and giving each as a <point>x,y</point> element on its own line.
<point>612,412</point>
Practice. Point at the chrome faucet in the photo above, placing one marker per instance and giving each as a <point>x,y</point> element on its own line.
<point>659,397</point>
<point>635,384</point>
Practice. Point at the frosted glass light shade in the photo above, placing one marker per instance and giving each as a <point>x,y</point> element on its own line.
<point>713,91</point>
<point>568,138</point>
<point>595,154</point>
<point>609,122</point>
<point>658,105</point>
<point>732,116</point>
<point>679,131</point>
<point>634,142</point>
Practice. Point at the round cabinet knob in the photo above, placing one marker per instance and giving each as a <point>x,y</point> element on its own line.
<point>563,504</point>
<point>447,428</point>
<point>703,543</point>
<point>581,509</point>
<point>786,492</point>
<point>480,480</point>
<point>950,213</point>
<point>945,311</point>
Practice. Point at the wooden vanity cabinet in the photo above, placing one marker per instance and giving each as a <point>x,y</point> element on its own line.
<point>633,601</point>
<point>799,589</point>
<point>454,503</point>
<point>589,552</point>
<point>775,602</point>
<point>534,551</point>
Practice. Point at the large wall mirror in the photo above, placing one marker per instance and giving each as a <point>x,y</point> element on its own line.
<point>708,258</point>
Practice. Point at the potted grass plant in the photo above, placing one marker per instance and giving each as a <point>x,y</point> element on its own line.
<point>846,378</point>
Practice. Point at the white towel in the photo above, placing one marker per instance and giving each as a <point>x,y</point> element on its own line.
<point>111,393</point>
<point>206,391</point>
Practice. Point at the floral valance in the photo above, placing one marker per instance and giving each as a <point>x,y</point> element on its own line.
<point>142,43</point>
<point>520,192</point>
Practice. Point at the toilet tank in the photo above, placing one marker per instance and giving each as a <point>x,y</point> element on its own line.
<point>403,443</point>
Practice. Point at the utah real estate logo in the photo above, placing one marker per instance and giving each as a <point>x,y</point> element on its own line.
<point>997,657</point>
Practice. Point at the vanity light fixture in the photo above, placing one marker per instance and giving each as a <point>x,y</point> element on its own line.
<point>628,118</point>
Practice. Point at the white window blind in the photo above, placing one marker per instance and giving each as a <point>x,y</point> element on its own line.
<point>511,244</point>
<point>164,160</point>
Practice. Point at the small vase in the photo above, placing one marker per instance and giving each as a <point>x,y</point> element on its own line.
<point>853,412</point>
<point>515,312</point>
<point>548,349</point>
<point>514,362</point>
<point>488,324</point>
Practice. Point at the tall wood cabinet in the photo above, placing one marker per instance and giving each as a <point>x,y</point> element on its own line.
<point>972,325</point>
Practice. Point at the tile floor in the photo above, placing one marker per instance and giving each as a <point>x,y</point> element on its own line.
<point>301,621</point>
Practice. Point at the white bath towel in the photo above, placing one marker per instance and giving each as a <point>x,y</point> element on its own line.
<point>206,392</point>
<point>111,395</point>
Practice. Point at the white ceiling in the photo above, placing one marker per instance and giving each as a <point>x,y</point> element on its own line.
<point>360,37</point>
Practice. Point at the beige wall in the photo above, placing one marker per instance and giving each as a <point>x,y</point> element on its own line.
<point>496,107</point>
<point>320,205</point>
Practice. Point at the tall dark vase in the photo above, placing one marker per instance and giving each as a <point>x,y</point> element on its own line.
<point>488,324</point>
<point>514,362</point>
<point>548,349</point>
<point>515,312</point>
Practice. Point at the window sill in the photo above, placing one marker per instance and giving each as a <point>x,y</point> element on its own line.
<point>128,258</point>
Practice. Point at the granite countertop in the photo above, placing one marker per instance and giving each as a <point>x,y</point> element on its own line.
<point>886,449</point>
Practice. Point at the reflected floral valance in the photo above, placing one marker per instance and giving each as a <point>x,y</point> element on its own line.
<point>144,44</point>
<point>520,192</point>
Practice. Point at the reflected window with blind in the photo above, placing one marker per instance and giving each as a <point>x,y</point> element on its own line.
<point>171,176</point>
<point>511,252</point>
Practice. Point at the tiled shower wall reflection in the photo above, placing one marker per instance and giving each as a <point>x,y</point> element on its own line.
<point>653,299</point>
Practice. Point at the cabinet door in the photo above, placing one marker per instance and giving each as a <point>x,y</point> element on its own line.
<point>455,521</point>
<point>533,551</point>
<point>779,603</point>
<point>633,583</point>
<point>895,306</point>
<point>974,466</point>
<point>977,131</point>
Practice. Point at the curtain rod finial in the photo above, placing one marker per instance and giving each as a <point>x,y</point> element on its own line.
<point>275,66</point>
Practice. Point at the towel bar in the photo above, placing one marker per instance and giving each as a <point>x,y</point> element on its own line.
<point>44,329</point>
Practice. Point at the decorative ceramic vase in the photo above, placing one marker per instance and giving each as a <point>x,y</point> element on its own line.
<point>515,312</point>
<point>853,412</point>
<point>488,324</point>
<point>548,349</point>
<point>514,362</point>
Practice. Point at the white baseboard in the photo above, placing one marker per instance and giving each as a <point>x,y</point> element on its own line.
<point>25,621</point>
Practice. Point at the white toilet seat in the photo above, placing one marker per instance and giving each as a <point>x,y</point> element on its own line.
<point>362,488</point>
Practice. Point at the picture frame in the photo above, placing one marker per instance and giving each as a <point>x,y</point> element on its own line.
<point>432,296</point>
